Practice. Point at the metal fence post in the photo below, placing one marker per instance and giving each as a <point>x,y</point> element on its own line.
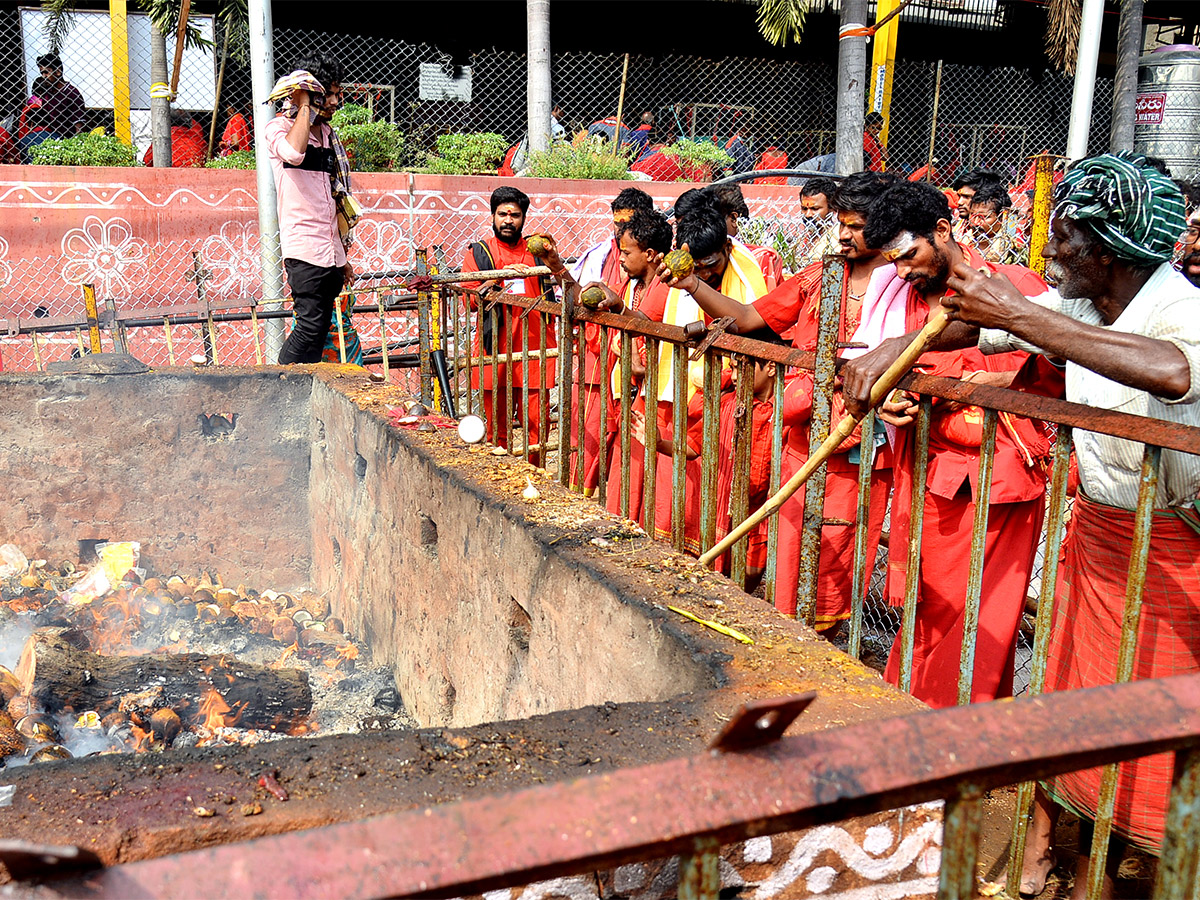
<point>262,73</point>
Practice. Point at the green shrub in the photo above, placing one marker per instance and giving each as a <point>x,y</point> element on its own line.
<point>468,154</point>
<point>698,154</point>
<point>84,150</point>
<point>371,146</point>
<point>238,159</point>
<point>351,114</point>
<point>584,158</point>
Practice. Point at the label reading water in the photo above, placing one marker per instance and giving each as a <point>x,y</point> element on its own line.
<point>1150,108</point>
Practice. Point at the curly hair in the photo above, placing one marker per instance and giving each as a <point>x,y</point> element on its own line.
<point>997,197</point>
<point>650,229</point>
<point>857,192</point>
<point>905,206</point>
<point>633,198</point>
<point>325,69</point>
<point>814,186</point>
<point>697,200</point>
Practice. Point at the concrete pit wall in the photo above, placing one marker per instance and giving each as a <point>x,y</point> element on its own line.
<point>480,617</point>
<point>139,458</point>
<point>486,605</point>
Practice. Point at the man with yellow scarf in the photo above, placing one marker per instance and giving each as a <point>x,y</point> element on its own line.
<point>721,268</point>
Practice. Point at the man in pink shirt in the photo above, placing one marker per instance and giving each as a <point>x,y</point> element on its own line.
<point>302,149</point>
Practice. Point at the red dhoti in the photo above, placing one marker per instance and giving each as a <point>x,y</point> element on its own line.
<point>1087,634</point>
<point>836,571</point>
<point>1013,531</point>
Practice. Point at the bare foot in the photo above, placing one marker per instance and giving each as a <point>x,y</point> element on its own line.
<point>1035,872</point>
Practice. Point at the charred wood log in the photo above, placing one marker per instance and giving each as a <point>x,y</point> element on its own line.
<point>61,676</point>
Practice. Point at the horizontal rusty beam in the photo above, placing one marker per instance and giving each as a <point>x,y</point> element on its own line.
<point>1142,429</point>
<point>1123,425</point>
<point>659,810</point>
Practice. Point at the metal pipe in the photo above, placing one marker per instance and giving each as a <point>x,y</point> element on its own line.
<point>262,77</point>
<point>1085,78</point>
<point>983,500</point>
<point>650,450</point>
<point>861,580</point>
<point>769,576</point>
<point>912,583</point>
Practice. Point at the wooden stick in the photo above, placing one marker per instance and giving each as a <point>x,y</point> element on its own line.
<point>620,108</point>
<point>180,40</point>
<point>887,381</point>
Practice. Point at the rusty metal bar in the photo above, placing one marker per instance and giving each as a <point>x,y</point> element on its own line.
<point>960,843</point>
<point>92,313</point>
<point>258,354</point>
<point>1135,585</point>
<point>833,286</point>
<point>525,393</point>
<point>424,334</point>
<point>566,385</point>
<point>700,871</point>
<point>912,584</point>
<point>1168,435</point>
<point>860,580</point>
<point>581,409</point>
<point>118,333</point>
<point>739,500</point>
<point>547,328</point>
<point>435,328</point>
<point>711,453</point>
<point>509,399</point>
<point>624,385</point>
<point>983,502</point>
<point>1178,873</point>
<point>769,576</point>
<point>650,450</point>
<point>1056,524</point>
<point>679,366</point>
<point>656,810</point>
<point>495,412</point>
<point>605,401</point>
<point>383,339</point>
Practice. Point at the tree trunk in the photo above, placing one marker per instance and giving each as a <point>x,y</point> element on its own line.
<point>160,107</point>
<point>852,87</point>
<point>1129,49</point>
<point>537,14</point>
<point>61,676</point>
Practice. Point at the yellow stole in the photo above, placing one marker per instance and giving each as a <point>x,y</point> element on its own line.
<point>743,281</point>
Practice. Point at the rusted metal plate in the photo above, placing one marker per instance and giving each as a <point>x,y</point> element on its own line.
<point>658,810</point>
<point>760,722</point>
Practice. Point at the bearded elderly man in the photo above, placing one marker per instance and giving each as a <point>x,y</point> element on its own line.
<point>1125,322</point>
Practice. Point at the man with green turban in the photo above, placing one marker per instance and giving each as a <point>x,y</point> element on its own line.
<point>1128,326</point>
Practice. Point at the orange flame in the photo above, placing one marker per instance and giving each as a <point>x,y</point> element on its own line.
<point>285,655</point>
<point>344,652</point>
<point>214,709</point>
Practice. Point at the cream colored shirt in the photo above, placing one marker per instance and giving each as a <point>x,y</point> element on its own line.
<point>1166,308</point>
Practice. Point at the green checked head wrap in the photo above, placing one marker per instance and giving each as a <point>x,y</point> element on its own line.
<point>1135,210</point>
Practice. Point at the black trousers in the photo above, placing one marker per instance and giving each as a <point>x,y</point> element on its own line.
<point>314,289</point>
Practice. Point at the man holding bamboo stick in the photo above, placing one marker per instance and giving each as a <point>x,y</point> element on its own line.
<point>1125,322</point>
<point>912,225</point>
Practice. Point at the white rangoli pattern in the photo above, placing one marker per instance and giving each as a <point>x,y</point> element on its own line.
<point>231,255</point>
<point>105,254</point>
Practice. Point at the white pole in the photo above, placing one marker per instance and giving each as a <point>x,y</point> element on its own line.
<point>537,13</point>
<point>262,76</point>
<point>1085,78</point>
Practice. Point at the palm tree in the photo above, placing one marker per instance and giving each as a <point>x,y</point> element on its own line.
<point>780,21</point>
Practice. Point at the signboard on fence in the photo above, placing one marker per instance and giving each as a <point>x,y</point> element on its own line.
<point>1150,109</point>
<point>436,84</point>
<point>88,58</point>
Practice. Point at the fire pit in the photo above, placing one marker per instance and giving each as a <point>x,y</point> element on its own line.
<point>530,640</point>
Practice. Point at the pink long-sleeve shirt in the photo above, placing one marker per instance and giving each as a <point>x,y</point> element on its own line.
<point>307,218</point>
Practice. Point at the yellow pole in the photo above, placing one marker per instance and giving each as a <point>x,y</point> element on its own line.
<point>119,30</point>
<point>1043,193</point>
<point>883,66</point>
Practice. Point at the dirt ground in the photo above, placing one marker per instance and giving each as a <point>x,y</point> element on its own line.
<point>1135,878</point>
